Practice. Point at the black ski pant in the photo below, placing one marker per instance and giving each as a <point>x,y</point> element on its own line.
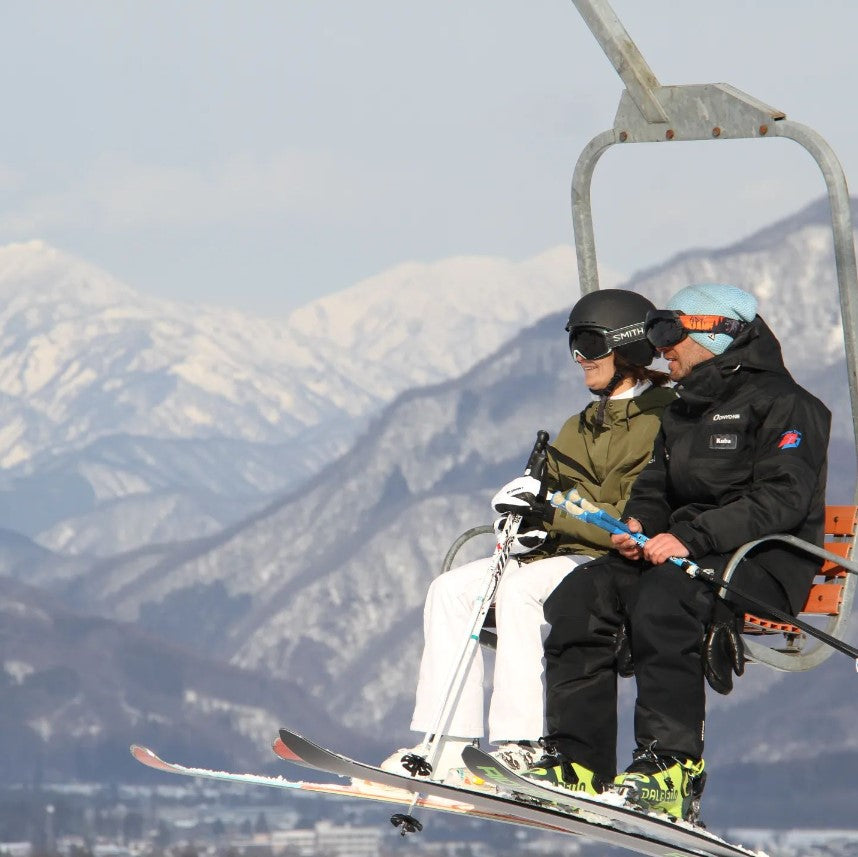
<point>666,614</point>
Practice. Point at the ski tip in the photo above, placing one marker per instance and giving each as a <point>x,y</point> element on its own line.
<point>149,758</point>
<point>291,747</point>
<point>284,752</point>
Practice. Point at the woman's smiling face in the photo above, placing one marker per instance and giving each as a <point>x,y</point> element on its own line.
<point>597,373</point>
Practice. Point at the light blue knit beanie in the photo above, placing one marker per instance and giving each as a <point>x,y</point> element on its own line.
<point>714,299</point>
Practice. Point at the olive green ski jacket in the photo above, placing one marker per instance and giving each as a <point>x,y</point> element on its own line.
<point>602,462</point>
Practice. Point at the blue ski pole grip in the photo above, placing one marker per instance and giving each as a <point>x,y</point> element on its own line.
<point>572,503</point>
<point>536,460</point>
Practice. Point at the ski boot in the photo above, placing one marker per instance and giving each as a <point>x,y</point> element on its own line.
<point>516,755</point>
<point>665,784</point>
<point>411,762</point>
<point>554,769</point>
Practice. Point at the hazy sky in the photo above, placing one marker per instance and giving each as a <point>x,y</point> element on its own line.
<point>260,154</point>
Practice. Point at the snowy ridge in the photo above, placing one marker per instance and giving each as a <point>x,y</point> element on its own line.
<point>82,356</point>
<point>454,299</point>
<point>794,280</point>
<point>100,385</point>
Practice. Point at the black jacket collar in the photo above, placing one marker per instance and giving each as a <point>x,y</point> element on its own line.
<point>755,349</point>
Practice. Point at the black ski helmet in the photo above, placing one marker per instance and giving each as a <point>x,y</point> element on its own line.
<point>620,314</point>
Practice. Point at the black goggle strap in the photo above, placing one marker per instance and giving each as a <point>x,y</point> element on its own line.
<point>624,335</point>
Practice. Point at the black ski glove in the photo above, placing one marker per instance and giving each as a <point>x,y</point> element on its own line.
<point>723,648</point>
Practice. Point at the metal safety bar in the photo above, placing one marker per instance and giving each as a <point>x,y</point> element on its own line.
<point>806,659</point>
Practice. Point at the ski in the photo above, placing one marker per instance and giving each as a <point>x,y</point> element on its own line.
<point>610,808</point>
<point>359,789</point>
<point>655,842</point>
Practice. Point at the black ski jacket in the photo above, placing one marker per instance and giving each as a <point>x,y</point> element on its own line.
<point>741,454</point>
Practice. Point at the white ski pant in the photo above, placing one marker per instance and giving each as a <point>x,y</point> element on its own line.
<point>517,710</point>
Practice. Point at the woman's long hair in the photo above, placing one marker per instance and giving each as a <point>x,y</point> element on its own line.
<point>639,373</point>
<point>624,369</point>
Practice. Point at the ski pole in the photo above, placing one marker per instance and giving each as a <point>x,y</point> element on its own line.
<point>573,504</point>
<point>422,766</point>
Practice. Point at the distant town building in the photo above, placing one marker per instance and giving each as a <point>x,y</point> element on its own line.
<point>329,839</point>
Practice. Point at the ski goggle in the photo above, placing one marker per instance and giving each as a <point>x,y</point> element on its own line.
<point>667,327</point>
<point>593,343</point>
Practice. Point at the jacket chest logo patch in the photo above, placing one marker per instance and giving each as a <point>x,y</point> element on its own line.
<point>723,441</point>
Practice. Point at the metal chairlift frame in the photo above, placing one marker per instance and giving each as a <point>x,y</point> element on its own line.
<point>651,113</point>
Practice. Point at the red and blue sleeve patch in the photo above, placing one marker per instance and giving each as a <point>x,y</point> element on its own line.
<point>789,439</point>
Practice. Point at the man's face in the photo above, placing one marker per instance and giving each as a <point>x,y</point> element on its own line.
<point>683,357</point>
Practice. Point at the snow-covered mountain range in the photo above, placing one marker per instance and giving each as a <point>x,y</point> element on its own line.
<point>325,584</point>
<point>153,420</point>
